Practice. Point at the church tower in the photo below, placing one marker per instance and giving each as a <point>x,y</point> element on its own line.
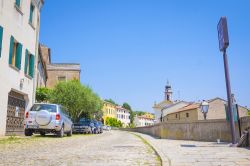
<point>168,92</point>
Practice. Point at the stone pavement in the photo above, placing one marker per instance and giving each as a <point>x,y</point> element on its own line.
<point>110,148</point>
<point>192,153</point>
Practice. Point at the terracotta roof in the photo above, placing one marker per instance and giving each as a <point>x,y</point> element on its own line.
<point>159,105</point>
<point>186,108</point>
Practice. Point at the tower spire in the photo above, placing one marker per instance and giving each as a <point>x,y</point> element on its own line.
<point>168,92</point>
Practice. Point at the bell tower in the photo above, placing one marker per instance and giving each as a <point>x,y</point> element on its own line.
<point>168,92</point>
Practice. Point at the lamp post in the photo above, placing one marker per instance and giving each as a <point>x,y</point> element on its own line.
<point>204,108</point>
<point>223,44</point>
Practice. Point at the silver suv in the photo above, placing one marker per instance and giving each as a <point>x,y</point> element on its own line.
<point>48,118</point>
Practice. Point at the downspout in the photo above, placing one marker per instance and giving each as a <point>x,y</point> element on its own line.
<point>39,6</point>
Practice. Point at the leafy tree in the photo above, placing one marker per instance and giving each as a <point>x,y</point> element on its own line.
<point>249,112</point>
<point>42,94</point>
<point>132,114</point>
<point>126,106</point>
<point>80,100</point>
<point>139,113</point>
<point>111,101</point>
<point>113,122</point>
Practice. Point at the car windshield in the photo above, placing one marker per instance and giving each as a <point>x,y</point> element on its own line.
<point>47,107</point>
<point>85,122</point>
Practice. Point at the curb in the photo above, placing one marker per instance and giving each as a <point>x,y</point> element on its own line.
<point>164,160</point>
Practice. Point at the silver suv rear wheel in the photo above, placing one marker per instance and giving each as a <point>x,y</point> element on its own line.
<point>61,132</point>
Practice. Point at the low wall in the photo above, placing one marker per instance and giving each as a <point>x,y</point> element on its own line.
<point>208,130</point>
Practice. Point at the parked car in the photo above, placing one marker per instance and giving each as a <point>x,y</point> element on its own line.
<point>108,128</point>
<point>98,127</point>
<point>48,118</point>
<point>84,126</point>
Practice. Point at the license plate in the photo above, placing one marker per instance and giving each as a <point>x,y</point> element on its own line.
<point>32,127</point>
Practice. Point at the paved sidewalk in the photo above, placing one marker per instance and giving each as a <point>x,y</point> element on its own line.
<point>192,153</point>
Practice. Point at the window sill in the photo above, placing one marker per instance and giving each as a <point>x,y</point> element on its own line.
<point>32,26</point>
<point>14,67</point>
<point>29,77</point>
<point>19,9</point>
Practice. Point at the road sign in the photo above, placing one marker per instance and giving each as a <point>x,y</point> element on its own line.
<point>223,34</point>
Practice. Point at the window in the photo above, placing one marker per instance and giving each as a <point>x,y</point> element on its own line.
<point>176,115</point>
<point>61,78</point>
<point>18,3</point>
<point>187,115</point>
<point>1,38</point>
<point>32,8</point>
<point>15,54</point>
<point>29,64</point>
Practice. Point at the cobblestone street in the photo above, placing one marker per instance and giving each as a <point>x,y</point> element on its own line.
<point>110,148</point>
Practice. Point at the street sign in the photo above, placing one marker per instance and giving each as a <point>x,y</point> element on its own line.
<point>223,34</point>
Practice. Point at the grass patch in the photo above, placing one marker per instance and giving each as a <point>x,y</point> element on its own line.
<point>11,140</point>
<point>158,158</point>
<point>37,137</point>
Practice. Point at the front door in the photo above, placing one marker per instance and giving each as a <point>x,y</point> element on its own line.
<point>15,114</point>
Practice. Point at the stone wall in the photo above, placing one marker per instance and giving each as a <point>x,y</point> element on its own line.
<point>209,130</point>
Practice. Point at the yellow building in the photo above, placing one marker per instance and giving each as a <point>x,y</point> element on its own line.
<point>109,110</point>
<point>149,115</point>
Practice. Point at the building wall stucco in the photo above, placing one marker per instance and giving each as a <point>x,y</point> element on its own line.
<point>54,74</point>
<point>16,24</point>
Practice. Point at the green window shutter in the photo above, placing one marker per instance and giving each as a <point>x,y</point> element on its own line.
<point>18,3</point>
<point>1,39</point>
<point>31,13</point>
<point>26,61</point>
<point>11,49</point>
<point>31,69</point>
<point>18,56</point>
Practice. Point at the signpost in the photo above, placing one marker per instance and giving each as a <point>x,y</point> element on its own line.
<point>223,44</point>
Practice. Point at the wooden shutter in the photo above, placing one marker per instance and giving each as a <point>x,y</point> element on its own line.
<point>11,49</point>
<point>31,68</point>
<point>1,39</point>
<point>26,61</point>
<point>18,3</point>
<point>18,56</point>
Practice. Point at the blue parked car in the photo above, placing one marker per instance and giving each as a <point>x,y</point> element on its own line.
<point>85,126</point>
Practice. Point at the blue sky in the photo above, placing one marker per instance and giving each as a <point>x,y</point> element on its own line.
<point>128,49</point>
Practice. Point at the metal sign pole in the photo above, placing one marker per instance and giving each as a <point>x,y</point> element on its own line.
<point>223,44</point>
<point>229,98</point>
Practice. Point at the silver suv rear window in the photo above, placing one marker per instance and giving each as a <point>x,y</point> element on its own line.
<point>39,107</point>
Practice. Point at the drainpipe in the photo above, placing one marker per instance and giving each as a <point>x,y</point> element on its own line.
<point>39,5</point>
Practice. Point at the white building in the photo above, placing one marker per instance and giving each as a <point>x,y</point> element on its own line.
<point>158,107</point>
<point>141,121</point>
<point>123,115</point>
<point>19,36</point>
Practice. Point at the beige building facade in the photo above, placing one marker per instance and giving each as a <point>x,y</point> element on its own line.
<point>62,72</point>
<point>192,112</point>
<point>19,36</point>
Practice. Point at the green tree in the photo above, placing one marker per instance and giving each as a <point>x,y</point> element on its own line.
<point>42,94</point>
<point>113,122</point>
<point>139,113</point>
<point>80,100</point>
<point>111,101</point>
<point>249,112</point>
<point>132,114</point>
